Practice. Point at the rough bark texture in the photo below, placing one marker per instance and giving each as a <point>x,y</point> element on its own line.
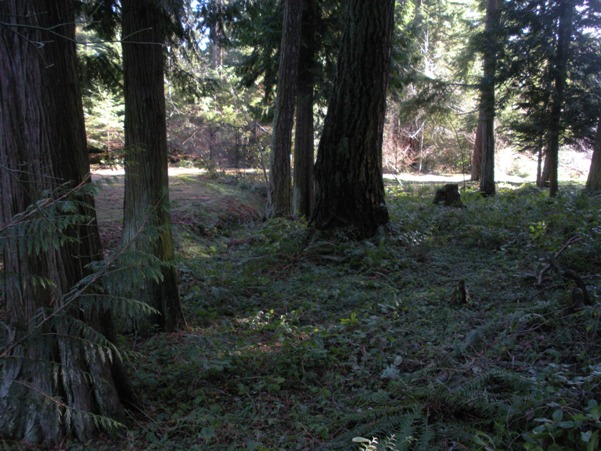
<point>51,380</point>
<point>487,103</point>
<point>348,172</point>
<point>146,202</point>
<point>593,181</point>
<point>279,196</point>
<point>566,15</point>
<point>303,187</point>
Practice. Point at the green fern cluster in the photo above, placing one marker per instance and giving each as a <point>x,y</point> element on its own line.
<point>61,328</point>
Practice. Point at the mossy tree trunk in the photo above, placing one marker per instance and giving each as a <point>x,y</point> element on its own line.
<point>53,378</point>
<point>280,195</point>
<point>303,186</point>
<point>348,171</point>
<point>593,181</point>
<point>146,222</point>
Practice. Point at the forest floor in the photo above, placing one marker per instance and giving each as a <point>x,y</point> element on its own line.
<point>303,341</point>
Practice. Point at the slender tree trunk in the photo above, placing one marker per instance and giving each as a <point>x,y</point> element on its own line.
<point>279,195</point>
<point>539,168</point>
<point>303,190</point>
<point>487,105</point>
<point>593,182</point>
<point>350,188</point>
<point>53,379</point>
<point>545,172</point>
<point>146,205</point>
<point>477,153</point>
<point>561,69</point>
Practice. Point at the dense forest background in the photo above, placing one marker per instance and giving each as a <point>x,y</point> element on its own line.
<point>220,98</point>
<point>384,230</point>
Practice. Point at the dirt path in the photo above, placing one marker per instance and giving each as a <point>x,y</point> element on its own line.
<point>197,201</point>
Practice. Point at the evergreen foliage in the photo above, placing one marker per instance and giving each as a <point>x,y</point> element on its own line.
<point>46,226</point>
<point>528,64</point>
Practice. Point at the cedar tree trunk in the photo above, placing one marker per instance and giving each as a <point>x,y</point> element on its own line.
<point>348,171</point>
<point>279,195</point>
<point>52,377</point>
<point>303,187</point>
<point>146,203</point>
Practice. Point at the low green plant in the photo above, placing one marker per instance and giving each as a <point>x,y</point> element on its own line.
<point>564,431</point>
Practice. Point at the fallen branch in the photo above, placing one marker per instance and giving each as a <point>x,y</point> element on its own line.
<point>566,273</point>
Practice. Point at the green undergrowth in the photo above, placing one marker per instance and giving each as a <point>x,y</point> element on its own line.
<point>300,340</point>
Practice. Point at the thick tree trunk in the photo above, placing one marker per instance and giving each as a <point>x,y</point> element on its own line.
<point>348,172</point>
<point>561,69</point>
<point>279,195</point>
<point>487,105</point>
<point>146,217</point>
<point>53,378</point>
<point>593,182</point>
<point>303,187</point>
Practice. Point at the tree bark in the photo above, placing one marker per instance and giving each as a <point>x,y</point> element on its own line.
<point>279,195</point>
<point>487,105</point>
<point>348,171</point>
<point>303,187</point>
<point>477,153</point>
<point>53,379</point>
<point>146,205</point>
<point>593,181</point>
<point>566,14</point>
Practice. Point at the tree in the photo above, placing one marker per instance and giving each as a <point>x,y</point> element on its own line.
<point>303,183</point>
<point>593,181</point>
<point>486,122</point>
<point>58,369</point>
<point>566,13</point>
<point>279,196</point>
<point>476,170</point>
<point>146,203</point>
<point>348,171</point>
<point>545,42</point>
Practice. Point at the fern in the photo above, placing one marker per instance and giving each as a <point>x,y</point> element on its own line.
<point>411,432</point>
<point>57,335</point>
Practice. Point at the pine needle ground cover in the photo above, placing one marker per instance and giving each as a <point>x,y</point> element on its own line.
<point>299,340</point>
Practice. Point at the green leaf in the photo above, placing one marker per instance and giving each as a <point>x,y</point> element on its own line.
<point>586,436</point>
<point>567,424</point>
<point>558,415</point>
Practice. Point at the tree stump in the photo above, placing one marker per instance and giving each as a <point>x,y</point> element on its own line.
<point>449,195</point>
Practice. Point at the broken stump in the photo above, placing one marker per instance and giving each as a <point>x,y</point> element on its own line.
<point>449,195</point>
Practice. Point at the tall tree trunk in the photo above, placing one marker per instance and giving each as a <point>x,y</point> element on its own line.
<point>593,182</point>
<point>279,195</point>
<point>216,37</point>
<point>146,205</point>
<point>303,190</point>
<point>487,105</point>
<point>53,379</point>
<point>476,171</point>
<point>348,172</point>
<point>566,14</point>
<point>545,172</point>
